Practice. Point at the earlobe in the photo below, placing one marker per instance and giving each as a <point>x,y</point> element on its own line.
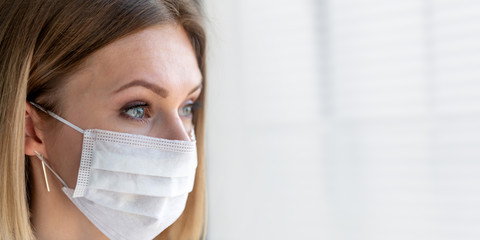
<point>33,139</point>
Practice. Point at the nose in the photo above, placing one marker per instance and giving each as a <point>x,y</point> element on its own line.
<point>171,128</point>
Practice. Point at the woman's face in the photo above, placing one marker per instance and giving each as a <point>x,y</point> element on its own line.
<point>146,83</point>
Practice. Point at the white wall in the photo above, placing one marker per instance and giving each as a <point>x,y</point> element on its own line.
<point>344,120</point>
<point>263,121</point>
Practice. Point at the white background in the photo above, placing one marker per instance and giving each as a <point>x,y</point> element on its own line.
<point>342,119</point>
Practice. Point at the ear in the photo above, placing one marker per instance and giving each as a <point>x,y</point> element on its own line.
<point>33,136</point>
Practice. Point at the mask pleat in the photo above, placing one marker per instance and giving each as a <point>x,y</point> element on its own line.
<point>140,184</point>
<point>136,204</point>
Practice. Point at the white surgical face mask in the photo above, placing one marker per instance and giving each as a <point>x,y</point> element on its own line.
<point>131,186</point>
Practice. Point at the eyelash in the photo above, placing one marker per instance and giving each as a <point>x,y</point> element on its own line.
<point>146,106</point>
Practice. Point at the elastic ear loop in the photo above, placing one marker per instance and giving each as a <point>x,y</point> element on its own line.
<point>45,172</point>
<point>57,117</point>
<point>40,155</point>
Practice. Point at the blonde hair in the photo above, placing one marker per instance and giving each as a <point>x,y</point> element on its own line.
<point>41,42</point>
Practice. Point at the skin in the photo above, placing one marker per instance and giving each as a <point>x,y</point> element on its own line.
<point>160,55</point>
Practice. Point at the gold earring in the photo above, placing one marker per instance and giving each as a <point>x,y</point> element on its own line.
<point>44,171</point>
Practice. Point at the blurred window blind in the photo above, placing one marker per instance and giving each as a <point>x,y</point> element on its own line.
<point>402,108</point>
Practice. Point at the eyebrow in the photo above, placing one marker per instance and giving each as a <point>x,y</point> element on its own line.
<point>152,87</point>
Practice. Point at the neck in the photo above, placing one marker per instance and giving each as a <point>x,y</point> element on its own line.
<point>54,216</point>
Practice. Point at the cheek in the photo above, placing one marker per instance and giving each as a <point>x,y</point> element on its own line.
<point>64,149</point>
<point>188,124</point>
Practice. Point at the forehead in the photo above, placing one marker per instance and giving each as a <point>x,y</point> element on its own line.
<point>160,54</point>
<point>163,42</point>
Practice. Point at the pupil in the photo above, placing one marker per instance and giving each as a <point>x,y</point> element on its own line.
<point>139,113</point>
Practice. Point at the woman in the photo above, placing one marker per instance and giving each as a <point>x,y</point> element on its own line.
<point>99,107</point>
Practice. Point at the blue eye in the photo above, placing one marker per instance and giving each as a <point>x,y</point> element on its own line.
<point>189,109</point>
<point>138,111</point>
<point>186,111</point>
